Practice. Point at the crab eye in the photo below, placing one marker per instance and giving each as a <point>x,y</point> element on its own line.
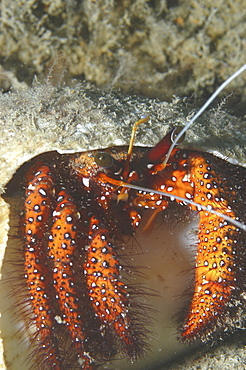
<point>104,159</point>
<point>175,133</point>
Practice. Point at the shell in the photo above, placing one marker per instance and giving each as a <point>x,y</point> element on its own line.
<point>44,118</point>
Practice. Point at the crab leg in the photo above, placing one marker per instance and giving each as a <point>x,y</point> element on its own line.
<point>216,264</point>
<point>108,294</point>
<point>192,176</point>
<point>37,212</point>
<point>61,247</point>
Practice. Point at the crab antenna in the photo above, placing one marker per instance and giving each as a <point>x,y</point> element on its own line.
<point>143,119</point>
<point>186,201</point>
<point>208,102</point>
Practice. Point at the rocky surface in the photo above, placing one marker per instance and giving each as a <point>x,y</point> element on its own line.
<point>156,48</point>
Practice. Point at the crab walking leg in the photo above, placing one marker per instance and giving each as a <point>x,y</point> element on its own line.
<point>108,294</point>
<point>61,247</point>
<point>37,212</point>
<point>215,278</point>
<point>217,263</point>
<point>197,177</point>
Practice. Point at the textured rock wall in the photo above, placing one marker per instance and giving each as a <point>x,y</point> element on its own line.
<point>155,48</point>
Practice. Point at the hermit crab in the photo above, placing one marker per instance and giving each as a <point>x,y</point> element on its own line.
<point>78,210</point>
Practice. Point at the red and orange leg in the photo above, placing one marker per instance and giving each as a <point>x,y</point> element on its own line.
<point>109,296</point>
<point>63,242</point>
<point>37,211</point>
<point>216,266</point>
<point>191,176</point>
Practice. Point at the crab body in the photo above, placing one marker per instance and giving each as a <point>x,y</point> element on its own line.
<point>77,213</point>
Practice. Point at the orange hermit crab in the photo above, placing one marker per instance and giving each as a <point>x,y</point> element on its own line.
<point>77,210</point>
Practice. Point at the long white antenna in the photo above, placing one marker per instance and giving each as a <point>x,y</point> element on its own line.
<point>202,109</point>
<point>187,201</point>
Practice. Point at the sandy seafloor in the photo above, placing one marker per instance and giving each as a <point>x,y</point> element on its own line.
<point>148,48</point>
